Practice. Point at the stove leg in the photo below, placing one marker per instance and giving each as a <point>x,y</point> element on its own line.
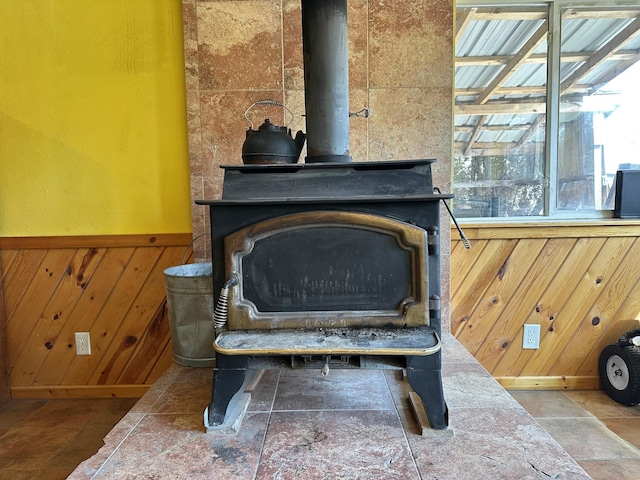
<point>228,377</point>
<point>428,385</point>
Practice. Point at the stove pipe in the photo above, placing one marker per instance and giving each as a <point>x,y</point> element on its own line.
<point>326,80</point>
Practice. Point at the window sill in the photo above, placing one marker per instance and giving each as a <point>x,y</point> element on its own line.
<point>543,228</point>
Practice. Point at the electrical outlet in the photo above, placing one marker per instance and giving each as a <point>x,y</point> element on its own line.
<point>531,336</point>
<point>83,343</point>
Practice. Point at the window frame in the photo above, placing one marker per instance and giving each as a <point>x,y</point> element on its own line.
<point>552,127</point>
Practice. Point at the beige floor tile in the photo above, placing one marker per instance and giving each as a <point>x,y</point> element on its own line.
<point>601,405</point>
<point>587,439</point>
<point>548,404</point>
<point>621,469</point>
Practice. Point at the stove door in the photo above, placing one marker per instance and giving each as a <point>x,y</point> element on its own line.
<point>328,269</point>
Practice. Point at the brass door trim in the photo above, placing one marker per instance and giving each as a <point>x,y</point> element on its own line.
<point>411,311</point>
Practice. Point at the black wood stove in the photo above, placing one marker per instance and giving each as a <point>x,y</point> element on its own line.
<point>331,263</point>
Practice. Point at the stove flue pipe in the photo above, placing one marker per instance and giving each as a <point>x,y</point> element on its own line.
<point>326,80</point>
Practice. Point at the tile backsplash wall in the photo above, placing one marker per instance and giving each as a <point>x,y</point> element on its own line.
<point>400,67</point>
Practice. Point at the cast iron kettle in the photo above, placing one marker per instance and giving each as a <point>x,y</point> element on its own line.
<point>271,144</point>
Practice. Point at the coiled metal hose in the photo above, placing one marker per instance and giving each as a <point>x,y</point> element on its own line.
<point>220,312</point>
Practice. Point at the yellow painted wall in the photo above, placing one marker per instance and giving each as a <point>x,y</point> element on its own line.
<point>93,133</point>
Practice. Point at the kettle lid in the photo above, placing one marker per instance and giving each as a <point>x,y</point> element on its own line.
<point>267,126</point>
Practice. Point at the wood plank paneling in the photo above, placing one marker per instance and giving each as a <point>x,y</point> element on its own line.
<point>559,276</point>
<point>20,267</point>
<point>524,268</point>
<point>111,287</point>
<point>526,296</point>
<point>91,301</point>
<point>105,326</point>
<point>610,304</point>
<point>545,312</point>
<point>468,259</point>
<point>576,306</point>
<point>40,345</point>
<point>484,269</point>
<point>4,367</point>
<point>583,288</point>
<point>137,321</point>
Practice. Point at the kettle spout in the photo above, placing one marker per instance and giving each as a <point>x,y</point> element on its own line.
<point>300,139</point>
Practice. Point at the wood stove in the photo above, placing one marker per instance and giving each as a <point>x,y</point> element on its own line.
<point>334,264</point>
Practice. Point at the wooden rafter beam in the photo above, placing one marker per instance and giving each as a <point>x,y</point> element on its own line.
<point>541,14</point>
<point>613,72</point>
<point>599,13</point>
<point>567,57</point>
<point>476,131</point>
<point>601,55</point>
<point>492,14</point>
<point>514,108</point>
<point>512,65</point>
<point>494,148</point>
<point>500,108</point>
<point>492,128</point>
<point>535,91</point>
<point>463,18</point>
<point>524,138</point>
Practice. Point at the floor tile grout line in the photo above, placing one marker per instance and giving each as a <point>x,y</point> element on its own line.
<point>118,446</point>
<point>402,428</point>
<point>590,416</point>
<point>336,410</point>
<point>389,409</point>
<point>266,429</point>
<point>604,425</point>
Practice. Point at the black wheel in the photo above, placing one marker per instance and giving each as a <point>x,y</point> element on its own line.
<point>624,339</point>
<point>620,373</point>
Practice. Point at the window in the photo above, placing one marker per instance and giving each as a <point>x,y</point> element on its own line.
<point>543,122</point>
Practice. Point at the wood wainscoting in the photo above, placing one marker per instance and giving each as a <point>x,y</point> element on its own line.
<point>109,286</point>
<point>579,282</point>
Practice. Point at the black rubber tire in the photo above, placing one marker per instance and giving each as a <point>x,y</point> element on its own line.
<point>623,341</point>
<point>619,369</point>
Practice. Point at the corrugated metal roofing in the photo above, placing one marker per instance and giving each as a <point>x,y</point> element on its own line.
<point>489,38</point>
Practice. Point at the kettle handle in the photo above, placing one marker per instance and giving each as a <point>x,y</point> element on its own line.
<point>267,102</point>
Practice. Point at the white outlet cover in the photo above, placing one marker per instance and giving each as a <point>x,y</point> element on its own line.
<point>531,337</point>
<point>83,343</point>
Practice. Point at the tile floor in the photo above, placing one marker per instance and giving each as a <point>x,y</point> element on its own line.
<point>47,439</point>
<point>600,434</point>
<point>352,424</point>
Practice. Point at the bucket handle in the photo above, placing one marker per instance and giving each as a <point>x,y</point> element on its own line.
<point>190,245</point>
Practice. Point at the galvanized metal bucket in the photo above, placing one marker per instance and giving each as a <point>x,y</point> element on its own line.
<point>190,305</point>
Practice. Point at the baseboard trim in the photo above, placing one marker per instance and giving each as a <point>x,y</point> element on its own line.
<point>550,383</point>
<point>80,391</point>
